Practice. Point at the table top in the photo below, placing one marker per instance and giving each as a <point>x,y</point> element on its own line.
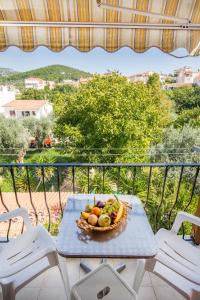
<point>133,239</point>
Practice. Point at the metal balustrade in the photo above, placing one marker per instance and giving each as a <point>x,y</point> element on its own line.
<point>164,188</point>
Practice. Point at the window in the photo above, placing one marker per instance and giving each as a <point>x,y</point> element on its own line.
<point>12,113</point>
<point>26,113</point>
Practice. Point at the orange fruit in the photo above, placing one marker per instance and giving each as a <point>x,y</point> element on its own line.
<point>96,211</point>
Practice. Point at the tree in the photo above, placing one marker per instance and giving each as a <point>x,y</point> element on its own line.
<point>109,112</point>
<point>13,134</point>
<point>185,98</point>
<point>34,94</point>
<point>154,81</point>
<point>190,117</point>
<point>60,89</point>
<point>177,145</point>
<point>38,128</point>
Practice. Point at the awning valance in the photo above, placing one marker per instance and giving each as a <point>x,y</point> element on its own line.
<point>110,24</point>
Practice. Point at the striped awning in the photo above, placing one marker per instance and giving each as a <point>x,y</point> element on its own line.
<point>110,24</point>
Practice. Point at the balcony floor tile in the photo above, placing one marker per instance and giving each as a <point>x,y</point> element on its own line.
<point>48,286</point>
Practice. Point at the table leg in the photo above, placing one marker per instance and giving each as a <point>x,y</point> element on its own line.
<point>119,268</point>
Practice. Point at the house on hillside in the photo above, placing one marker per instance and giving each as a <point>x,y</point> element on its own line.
<point>74,83</point>
<point>142,77</point>
<point>84,80</point>
<point>197,80</point>
<point>186,75</point>
<point>24,108</point>
<point>50,83</point>
<point>35,83</point>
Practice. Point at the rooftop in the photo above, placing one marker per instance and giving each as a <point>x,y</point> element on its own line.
<point>26,104</point>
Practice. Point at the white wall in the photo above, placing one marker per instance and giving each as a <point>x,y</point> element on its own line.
<point>6,96</point>
<point>35,84</point>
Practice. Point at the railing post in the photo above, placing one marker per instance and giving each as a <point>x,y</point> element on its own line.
<point>195,228</point>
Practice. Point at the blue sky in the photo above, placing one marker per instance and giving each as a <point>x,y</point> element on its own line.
<point>125,60</point>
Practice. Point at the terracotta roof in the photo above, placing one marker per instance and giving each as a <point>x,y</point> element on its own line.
<point>26,104</point>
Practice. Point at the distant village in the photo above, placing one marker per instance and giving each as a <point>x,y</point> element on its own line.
<point>10,107</point>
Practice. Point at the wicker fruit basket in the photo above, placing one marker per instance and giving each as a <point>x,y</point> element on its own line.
<point>83,224</point>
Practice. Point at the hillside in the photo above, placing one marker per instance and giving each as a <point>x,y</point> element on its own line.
<point>55,72</point>
<point>6,71</point>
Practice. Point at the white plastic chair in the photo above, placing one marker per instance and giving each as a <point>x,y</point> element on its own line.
<point>102,283</point>
<point>26,256</point>
<point>177,261</point>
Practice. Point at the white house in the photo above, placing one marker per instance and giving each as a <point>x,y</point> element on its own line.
<point>35,83</point>
<point>74,83</point>
<point>24,108</point>
<point>6,95</point>
<point>143,77</point>
<point>51,84</point>
<point>197,80</point>
<point>186,75</point>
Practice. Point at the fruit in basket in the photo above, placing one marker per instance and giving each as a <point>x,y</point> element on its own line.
<point>111,206</point>
<point>92,219</point>
<point>85,215</point>
<point>113,215</point>
<point>120,212</point>
<point>100,204</point>
<point>88,208</point>
<point>96,210</point>
<point>104,220</point>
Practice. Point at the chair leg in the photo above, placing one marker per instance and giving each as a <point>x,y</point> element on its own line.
<point>64,275</point>
<point>139,274</point>
<point>8,292</point>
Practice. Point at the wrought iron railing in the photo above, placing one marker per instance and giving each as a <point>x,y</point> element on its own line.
<point>164,188</point>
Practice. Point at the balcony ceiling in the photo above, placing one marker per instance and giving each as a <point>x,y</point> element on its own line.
<point>111,24</point>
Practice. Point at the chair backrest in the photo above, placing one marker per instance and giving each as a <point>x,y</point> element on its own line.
<point>174,254</point>
<point>24,248</point>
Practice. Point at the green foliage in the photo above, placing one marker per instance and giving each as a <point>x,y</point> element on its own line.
<point>6,71</point>
<point>63,89</point>
<point>170,80</point>
<point>190,117</point>
<point>186,98</point>
<point>154,81</point>
<point>33,94</point>
<point>109,112</point>
<point>13,134</point>
<point>177,145</point>
<point>55,73</point>
<point>38,128</point>
<point>60,91</point>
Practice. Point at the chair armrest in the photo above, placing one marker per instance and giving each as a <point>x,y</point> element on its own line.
<point>19,212</point>
<point>182,217</point>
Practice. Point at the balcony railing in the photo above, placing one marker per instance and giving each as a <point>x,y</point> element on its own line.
<point>164,189</point>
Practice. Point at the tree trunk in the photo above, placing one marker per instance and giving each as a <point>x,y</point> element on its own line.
<point>195,228</point>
